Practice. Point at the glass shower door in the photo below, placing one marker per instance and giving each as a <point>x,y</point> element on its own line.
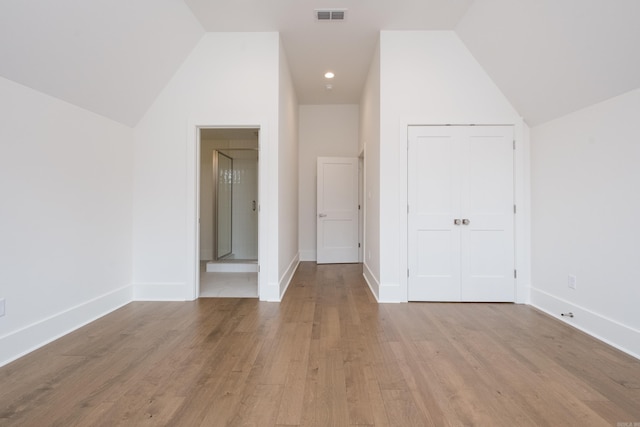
<point>224,204</point>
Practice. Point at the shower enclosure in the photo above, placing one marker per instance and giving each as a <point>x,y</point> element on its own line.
<point>223,205</point>
<point>229,200</point>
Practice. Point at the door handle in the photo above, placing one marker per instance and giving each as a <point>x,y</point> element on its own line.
<point>465,222</point>
<point>254,205</point>
<point>456,222</point>
<point>322,215</point>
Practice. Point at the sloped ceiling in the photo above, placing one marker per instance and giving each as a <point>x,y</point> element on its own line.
<point>113,57</point>
<point>552,57</point>
<point>314,47</point>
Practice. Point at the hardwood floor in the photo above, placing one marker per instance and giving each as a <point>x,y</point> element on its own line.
<point>328,355</point>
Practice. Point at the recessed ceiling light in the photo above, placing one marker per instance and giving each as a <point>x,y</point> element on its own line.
<point>329,75</point>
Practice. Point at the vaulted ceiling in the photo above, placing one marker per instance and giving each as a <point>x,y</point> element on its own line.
<point>113,57</point>
<point>552,57</point>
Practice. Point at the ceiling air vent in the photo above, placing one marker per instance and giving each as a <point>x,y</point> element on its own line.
<point>331,14</point>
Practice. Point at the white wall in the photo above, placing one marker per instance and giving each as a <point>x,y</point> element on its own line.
<point>65,228</point>
<point>287,167</point>
<point>429,77</point>
<point>325,131</point>
<point>229,79</point>
<point>585,210</point>
<point>370,145</point>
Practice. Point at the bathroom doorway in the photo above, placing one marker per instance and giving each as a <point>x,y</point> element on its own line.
<point>229,212</point>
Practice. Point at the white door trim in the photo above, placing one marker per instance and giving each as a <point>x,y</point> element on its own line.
<point>361,208</point>
<point>193,206</point>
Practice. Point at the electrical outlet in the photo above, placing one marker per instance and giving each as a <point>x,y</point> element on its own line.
<point>572,282</point>
<point>1,307</point>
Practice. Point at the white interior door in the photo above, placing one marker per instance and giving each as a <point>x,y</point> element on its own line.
<point>460,219</point>
<point>337,210</point>
<point>488,249</point>
<point>434,204</point>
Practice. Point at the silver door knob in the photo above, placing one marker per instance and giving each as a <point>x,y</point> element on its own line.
<point>456,222</point>
<point>466,222</point>
<point>322,215</point>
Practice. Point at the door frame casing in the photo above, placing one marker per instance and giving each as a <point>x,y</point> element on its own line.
<point>193,203</point>
<point>522,235</point>
<point>361,207</point>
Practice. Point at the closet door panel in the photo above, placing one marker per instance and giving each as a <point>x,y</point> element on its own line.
<point>487,194</point>
<point>460,213</point>
<point>434,203</point>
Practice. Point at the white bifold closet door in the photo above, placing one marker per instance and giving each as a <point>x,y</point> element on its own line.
<point>461,213</point>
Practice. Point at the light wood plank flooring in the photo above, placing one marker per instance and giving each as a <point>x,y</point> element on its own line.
<point>328,355</point>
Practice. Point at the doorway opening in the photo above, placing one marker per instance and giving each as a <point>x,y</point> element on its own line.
<point>229,161</point>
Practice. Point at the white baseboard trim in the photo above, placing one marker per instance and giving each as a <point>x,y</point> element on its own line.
<point>612,332</point>
<point>29,338</point>
<point>308,255</point>
<point>373,284</point>
<point>285,280</point>
<point>159,291</point>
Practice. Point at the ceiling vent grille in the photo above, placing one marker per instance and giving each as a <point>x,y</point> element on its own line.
<point>331,14</point>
